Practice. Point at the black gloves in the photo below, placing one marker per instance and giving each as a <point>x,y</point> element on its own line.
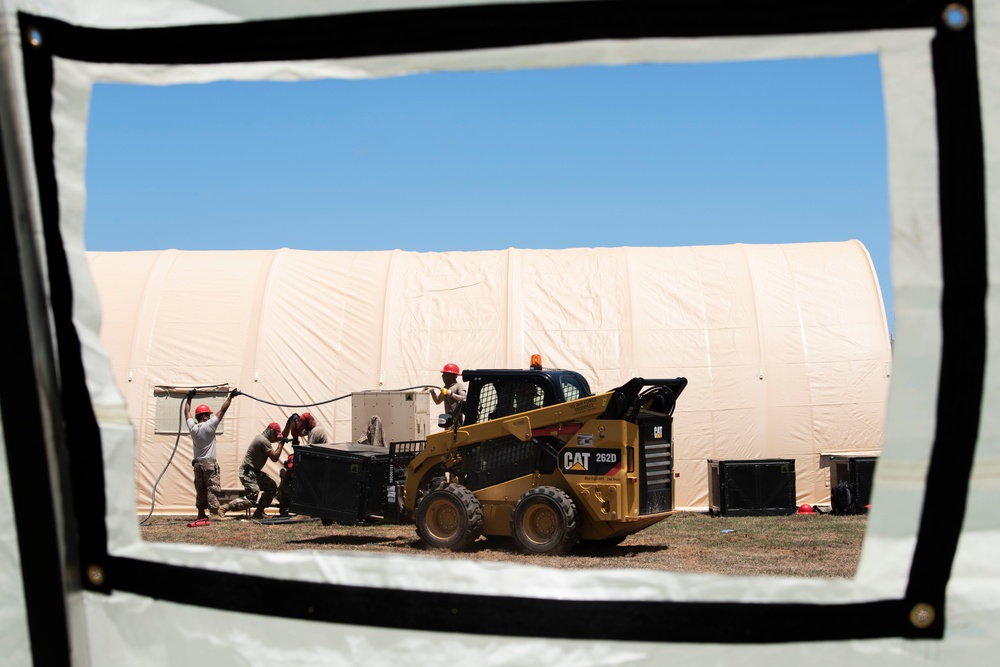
<point>191,394</point>
<point>234,393</point>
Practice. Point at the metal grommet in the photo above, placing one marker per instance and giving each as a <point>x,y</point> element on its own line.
<point>955,16</point>
<point>34,37</point>
<point>95,575</point>
<point>922,615</point>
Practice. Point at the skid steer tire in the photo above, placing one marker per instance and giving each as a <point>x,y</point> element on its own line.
<point>544,522</point>
<point>449,516</point>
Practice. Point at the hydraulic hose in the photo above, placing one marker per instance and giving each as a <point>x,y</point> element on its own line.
<point>338,398</point>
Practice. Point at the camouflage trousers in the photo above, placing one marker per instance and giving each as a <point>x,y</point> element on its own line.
<point>207,484</point>
<point>255,484</point>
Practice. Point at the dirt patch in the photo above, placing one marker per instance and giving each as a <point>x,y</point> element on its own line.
<point>797,545</point>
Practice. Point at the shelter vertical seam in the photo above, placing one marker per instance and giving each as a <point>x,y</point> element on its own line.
<point>765,427</point>
<point>140,391</point>
<point>803,337</point>
<point>626,254</point>
<point>386,315</point>
<point>514,259</point>
<point>251,347</point>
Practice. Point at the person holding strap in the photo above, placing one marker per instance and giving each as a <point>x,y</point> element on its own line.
<point>207,483</point>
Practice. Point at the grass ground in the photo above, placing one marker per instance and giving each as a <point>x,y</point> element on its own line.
<point>796,545</point>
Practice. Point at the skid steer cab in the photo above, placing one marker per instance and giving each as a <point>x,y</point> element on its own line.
<point>537,457</point>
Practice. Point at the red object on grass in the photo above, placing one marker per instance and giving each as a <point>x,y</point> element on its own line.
<point>806,509</point>
<point>199,522</point>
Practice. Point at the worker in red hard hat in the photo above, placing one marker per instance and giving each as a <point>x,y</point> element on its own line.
<point>207,483</point>
<point>454,390</point>
<point>315,433</point>
<point>258,487</point>
<point>305,427</point>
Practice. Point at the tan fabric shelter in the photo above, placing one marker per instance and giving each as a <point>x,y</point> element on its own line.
<point>785,346</point>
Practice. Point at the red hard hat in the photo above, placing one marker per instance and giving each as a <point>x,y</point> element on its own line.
<point>305,417</point>
<point>275,426</point>
<point>202,409</point>
<point>805,509</point>
<point>451,368</point>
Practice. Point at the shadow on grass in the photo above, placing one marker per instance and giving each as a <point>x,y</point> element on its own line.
<point>506,546</point>
<point>621,551</point>
<point>347,540</point>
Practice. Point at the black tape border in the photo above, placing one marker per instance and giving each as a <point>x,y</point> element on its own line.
<point>963,230</point>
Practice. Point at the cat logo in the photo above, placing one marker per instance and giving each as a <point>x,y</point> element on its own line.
<point>657,432</point>
<point>596,462</point>
<point>576,461</point>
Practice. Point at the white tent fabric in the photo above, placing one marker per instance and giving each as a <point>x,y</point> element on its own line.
<point>782,361</point>
<point>127,628</point>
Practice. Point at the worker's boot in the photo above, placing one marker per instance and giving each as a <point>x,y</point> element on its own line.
<point>258,514</point>
<point>220,513</point>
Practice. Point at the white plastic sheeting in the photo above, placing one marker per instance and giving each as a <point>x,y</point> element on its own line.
<point>125,628</point>
<point>785,347</point>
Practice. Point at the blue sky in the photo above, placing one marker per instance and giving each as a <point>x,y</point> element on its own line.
<point>640,155</point>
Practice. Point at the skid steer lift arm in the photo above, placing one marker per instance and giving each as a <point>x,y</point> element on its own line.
<point>628,399</point>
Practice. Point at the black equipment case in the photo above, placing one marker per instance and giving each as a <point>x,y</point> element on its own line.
<point>858,471</point>
<point>759,487</point>
<point>342,483</point>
